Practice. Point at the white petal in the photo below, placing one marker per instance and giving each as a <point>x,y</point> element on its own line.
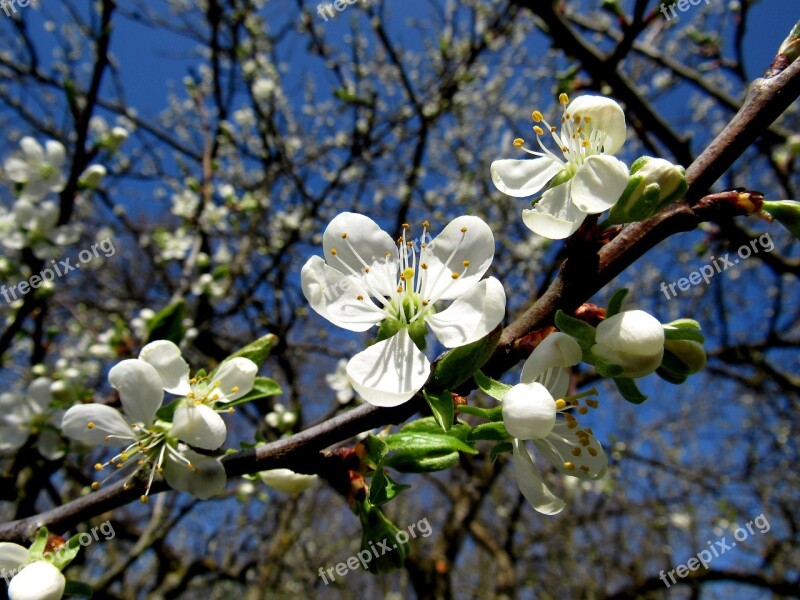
<point>531,484</point>
<point>390,372</point>
<point>465,238</point>
<point>33,151</point>
<point>48,443</point>
<point>140,389</point>
<point>205,480</point>
<point>522,178</point>
<point>55,153</point>
<point>13,556</point>
<point>559,448</point>
<point>556,350</point>
<point>606,116</point>
<point>471,316</point>
<point>599,183</point>
<point>555,216</point>
<point>287,481</point>
<point>107,422</point>
<point>199,426</point>
<point>529,411</point>
<point>359,242</point>
<point>236,378</point>
<point>39,392</point>
<point>165,357</point>
<point>324,285</point>
<point>17,170</point>
<point>38,581</point>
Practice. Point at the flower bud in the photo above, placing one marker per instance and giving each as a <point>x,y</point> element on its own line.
<point>633,340</point>
<point>654,184</point>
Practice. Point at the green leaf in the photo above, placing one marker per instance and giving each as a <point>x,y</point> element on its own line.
<point>490,387</point>
<point>78,588</point>
<point>376,450</point>
<point>583,333</point>
<point>494,432</point>
<point>421,444</point>
<point>441,404</point>
<point>498,449</point>
<point>629,390</point>
<point>382,488</point>
<point>615,303</point>
<point>691,335</point>
<point>257,351</point>
<point>167,324</point>
<point>263,387</point>
<point>459,364</point>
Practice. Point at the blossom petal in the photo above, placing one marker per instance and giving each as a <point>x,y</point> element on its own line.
<point>109,427</point>
<point>466,240</point>
<point>236,378</point>
<point>13,556</point>
<point>529,411</point>
<point>565,445</point>
<point>38,581</point>
<point>287,481</point>
<point>531,485</point>
<point>324,286</point>
<point>140,389</point>
<point>555,216</point>
<point>205,479</point>
<point>390,372</point>
<point>557,350</point>
<point>199,426</point>
<point>599,183</point>
<point>472,316</point>
<point>523,178</point>
<point>606,116</point>
<point>165,357</point>
<point>359,242</point>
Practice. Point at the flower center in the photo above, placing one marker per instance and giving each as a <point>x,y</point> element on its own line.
<point>577,140</point>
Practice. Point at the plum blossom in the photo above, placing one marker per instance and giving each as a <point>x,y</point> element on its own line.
<point>31,415</point>
<point>367,280</point>
<point>150,443</point>
<point>531,411</point>
<point>587,180</point>
<point>39,170</point>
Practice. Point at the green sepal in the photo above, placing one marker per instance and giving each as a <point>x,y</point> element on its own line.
<point>167,413</point>
<point>499,449</point>
<point>263,387</point>
<point>615,302</point>
<point>441,404</point>
<point>490,414</point>
<point>167,324</point>
<point>629,390</point>
<point>490,387</point>
<point>459,364</point>
<point>382,489</point>
<point>583,333</point>
<point>494,432</point>
<point>78,589</point>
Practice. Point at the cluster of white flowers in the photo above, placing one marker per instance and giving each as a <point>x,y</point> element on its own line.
<point>163,445</point>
